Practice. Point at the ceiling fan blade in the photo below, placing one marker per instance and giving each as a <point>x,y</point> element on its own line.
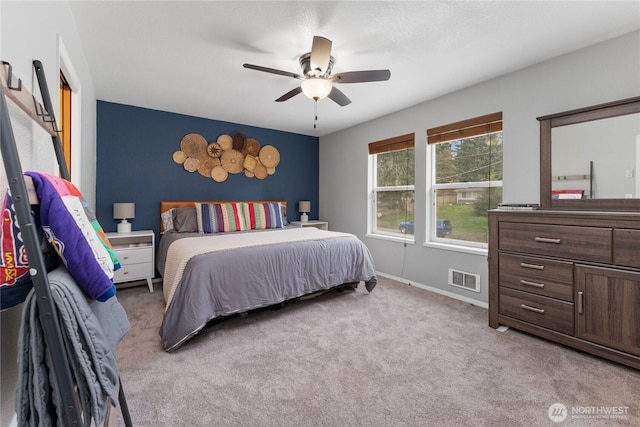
<point>361,76</point>
<point>289,94</point>
<point>321,52</point>
<point>273,71</point>
<point>338,97</point>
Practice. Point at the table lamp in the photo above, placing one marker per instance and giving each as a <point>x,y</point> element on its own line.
<point>124,211</point>
<point>304,206</point>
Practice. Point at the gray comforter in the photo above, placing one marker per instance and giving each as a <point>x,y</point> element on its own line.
<point>234,281</point>
<point>91,331</point>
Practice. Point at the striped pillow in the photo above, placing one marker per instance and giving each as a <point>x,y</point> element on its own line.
<point>261,216</point>
<point>220,217</point>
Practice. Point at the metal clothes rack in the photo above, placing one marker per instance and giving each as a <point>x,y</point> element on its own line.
<point>578,177</point>
<point>71,415</point>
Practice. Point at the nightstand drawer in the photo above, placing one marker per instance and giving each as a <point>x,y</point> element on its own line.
<point>135,255</point>
<point>542,311</point>
<point>131,272</point>
<point>136,252</point>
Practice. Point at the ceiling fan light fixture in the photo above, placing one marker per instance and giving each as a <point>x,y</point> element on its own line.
<point>316,88</point>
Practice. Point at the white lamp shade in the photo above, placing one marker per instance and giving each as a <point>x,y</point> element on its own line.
<point>316,88</point>
<point>304,206</point>
<point>124,210</point>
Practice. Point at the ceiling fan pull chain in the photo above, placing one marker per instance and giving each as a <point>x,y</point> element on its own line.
<point>315,112</point>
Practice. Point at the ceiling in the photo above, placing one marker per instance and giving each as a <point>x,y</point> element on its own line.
<point>186,57</point>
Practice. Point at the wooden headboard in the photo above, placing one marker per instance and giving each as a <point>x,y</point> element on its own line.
<point>165,205</point>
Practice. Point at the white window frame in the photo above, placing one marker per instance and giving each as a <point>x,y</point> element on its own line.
<point>373,211</point>
<point>431,239</point>
<point>373,190</point>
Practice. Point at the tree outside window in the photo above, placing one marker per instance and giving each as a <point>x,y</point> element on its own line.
<point>392,195</point>
<point>466,180</point>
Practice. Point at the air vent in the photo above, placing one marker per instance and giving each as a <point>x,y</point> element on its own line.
<point>468,281</point>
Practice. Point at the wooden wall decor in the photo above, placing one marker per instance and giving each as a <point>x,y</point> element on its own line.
<point>226,155</point>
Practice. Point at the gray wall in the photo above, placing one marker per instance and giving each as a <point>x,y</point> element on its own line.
<point>28,31</point>
<point>598,74</point>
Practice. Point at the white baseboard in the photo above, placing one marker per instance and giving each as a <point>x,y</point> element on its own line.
<point>436,290</point>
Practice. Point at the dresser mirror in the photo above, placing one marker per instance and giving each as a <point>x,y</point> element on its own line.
<point>590,158</point>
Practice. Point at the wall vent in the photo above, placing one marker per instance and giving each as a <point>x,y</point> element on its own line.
<point>461,279</point>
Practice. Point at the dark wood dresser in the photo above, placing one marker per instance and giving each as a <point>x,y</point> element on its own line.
<point>568,276</point>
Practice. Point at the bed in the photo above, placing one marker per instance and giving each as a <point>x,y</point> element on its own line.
<point>233,257</point>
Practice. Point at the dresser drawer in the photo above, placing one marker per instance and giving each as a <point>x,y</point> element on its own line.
<point>537,275</point>
<point>542,311</point>
<point>581,243</point>
<point>129,272</point>
<point>135,255</point>
<point>626,244</point>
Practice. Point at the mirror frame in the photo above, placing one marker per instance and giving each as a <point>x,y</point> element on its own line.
<point>581,115</point>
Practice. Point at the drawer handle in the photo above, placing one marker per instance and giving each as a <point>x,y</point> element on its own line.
<point>547,240</point>
<point>580,302</point>
<point>532,266</point>
<point>534,309</point>
<point>534,284</point>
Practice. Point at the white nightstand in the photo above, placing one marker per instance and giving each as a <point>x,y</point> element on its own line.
<point>136,251</point>
<point>322,225</point>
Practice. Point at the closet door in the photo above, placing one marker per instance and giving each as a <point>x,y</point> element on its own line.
<point>608,307</point>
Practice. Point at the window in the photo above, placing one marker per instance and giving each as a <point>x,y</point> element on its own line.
<point>466,179</point>
<point>392,200</point>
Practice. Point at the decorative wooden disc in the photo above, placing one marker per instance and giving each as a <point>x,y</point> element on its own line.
<point>214,149</point>
<point>218,174</point>
<point>251,146</point>
<point>269,156</point>
<point>193,144</point>
<point>260,171</point>
<point>179,156</point>
<point>238,141</point>
<point>206,164</point>
<point>226,142</point>
<point>250,163</point>
<point>191,164</point>
<point>271,171</point>
<point>232,161</point>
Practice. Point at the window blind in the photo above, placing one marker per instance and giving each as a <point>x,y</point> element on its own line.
<point>465,129</point>
<point>392,144</point>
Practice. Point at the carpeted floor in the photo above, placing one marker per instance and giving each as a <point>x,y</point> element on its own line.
<point>400,356</point>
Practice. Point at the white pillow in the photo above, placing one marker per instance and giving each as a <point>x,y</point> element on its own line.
<point>167,220</point>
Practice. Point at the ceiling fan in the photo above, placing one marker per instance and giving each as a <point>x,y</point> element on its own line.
<point>317,80</point>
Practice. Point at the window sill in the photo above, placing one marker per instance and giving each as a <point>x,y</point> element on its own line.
<point>457,248</point>
<point>399,239</point>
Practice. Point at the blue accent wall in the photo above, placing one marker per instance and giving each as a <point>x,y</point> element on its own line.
<point>135,164</point>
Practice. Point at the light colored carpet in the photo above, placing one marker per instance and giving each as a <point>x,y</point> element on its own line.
<point>400,356</point>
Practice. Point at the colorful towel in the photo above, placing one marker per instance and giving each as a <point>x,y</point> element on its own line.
<point>71,227</point>
<point>14,267</point>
